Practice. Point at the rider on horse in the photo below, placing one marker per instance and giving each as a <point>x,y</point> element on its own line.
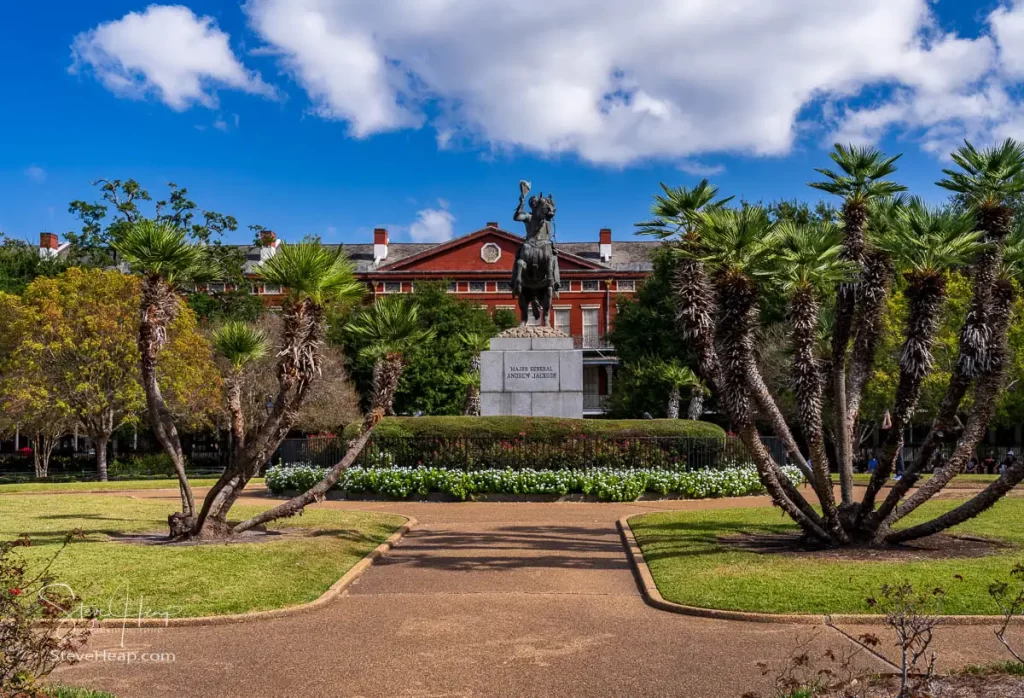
<point>535,277</point>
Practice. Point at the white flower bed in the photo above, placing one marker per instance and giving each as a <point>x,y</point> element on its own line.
<point>607,484</point>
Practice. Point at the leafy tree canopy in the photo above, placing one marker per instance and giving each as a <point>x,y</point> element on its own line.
<point>432,381</point>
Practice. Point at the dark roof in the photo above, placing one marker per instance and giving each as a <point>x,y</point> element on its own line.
<point>628,255</point>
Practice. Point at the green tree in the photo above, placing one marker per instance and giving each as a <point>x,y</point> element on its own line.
<point>20,264</point>
<point>390,330</point>
<point>314,279</point>
<point>434,376</point>
<point>240,344</point>
<point>77,332</point>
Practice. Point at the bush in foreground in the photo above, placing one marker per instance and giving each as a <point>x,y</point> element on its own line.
<point>605,484</point>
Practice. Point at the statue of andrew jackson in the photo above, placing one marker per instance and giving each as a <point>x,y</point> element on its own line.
<point>535,278</point>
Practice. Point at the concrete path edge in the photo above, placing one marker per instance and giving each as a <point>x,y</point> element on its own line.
<point>335,590</point>
<point>652,597</point>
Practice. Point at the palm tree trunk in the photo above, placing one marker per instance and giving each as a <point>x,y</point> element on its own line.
<point>673,403</point>
<point>966,511</point>
<point>472,405</point>
<point>695,305</point>
<point>735,340</point>
<point>387,371</point>
<point>854,216</point>
<point>158,305</point>
<point>803,316</point>
<point>975,335</point>
<point>318,492</point>
<point>986,399</point>
<point>695,410</point>
<point>867,327</point>
<point>925,294</point>
<point>770,410</point>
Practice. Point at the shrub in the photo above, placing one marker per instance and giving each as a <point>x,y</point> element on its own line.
<point>35,636</point>
<point>145,465</point>
<point>617,485</point>
<point>539,428</point>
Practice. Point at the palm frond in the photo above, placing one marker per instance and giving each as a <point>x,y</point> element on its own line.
<point>986,177</point>
<point>307,271</point>
<point>150,247</point>
<point>736,241</point>
<point>929,240</point>
<point>240,343</point>
<point>391,326</point>
<point>675,212</point>
<point>863,173</point>
<point>810,256</point>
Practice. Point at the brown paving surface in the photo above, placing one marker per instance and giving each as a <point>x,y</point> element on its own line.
<point>479,600</point>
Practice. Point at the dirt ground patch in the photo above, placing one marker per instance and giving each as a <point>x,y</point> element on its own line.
<point>939,547</point>
<point>957,686</point>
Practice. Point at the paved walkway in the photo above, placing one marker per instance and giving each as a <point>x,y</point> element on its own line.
<point>481,599</point>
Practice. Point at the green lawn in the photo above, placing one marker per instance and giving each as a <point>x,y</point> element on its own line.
<point>197,580</point>
<point>970,480</point>
<point>692,566</point>
<point>111,486</point>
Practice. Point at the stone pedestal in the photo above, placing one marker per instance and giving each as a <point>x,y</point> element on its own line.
<point>532,376</point>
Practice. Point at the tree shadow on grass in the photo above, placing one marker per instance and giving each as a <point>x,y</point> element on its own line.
<point>678,539</point>
<point>511,547</point>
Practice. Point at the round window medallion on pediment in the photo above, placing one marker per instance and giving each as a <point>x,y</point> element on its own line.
<point>490,253</point>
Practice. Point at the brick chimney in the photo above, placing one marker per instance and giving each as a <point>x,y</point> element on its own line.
<point>492,224</point>
<point>268,244</point>
<point>605,247</point>
<point>380,245</point>
<point>48,245</point>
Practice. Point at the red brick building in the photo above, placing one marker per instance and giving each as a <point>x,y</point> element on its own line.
<point>478,267</point>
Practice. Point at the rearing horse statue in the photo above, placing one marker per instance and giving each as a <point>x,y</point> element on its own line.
<point>535,278</point>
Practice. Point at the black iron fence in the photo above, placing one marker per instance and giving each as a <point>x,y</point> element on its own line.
<point>479,453</point>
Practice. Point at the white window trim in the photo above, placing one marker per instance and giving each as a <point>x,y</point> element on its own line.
<point>385,289</point>
<point>631,282</point>
<point>589,281</point>
<point>470,287</point>
<point>265,290</point>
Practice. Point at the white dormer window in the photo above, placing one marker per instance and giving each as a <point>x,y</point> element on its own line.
<point>626,285</point>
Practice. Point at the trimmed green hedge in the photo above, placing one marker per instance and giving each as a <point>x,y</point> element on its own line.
<point>541,428</point>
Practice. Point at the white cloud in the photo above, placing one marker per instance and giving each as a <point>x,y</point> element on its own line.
<point>700,169</point>
<point>619,82</point>
<point>433,224</point>
<point>166,51</point>
<point>954,89</point>
<point>220,125</point>
<point>36,173</point>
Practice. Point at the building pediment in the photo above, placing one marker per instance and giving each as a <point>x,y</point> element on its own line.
<point>487,250</point>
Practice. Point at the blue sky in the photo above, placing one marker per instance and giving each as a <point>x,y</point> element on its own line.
<point>330,118</point>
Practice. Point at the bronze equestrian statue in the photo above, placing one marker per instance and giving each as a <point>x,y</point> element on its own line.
<point>535,278</point>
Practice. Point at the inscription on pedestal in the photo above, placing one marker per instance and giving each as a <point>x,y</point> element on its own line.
<point>531,371</point>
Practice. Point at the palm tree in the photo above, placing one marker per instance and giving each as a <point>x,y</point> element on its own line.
<point>739,248</point>
<point>861,181</point>
<point>313,278</point>
<point>926,243</point>
<point>986,183</point>
<point>671,373</point>
<point>391,328</point>
<point>810,262</point>
<point>476,342</point>
<point>698,391</point>
<point>240,343</point>
<point>987,392</point>
<point>165,259</point>
<point>678,210</point>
